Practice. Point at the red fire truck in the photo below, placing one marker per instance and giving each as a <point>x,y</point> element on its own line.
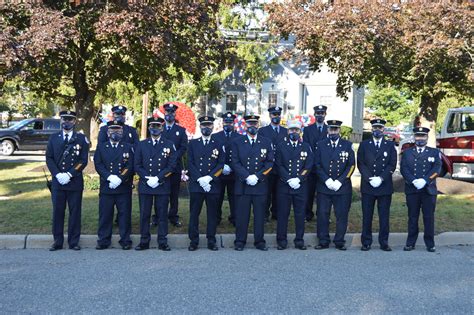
<point>456,143</point>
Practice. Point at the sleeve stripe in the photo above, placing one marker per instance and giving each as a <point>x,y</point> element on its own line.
<point>218,173</point>
<point>78,166</point>
<point>350,171</point>
<point>267,171</point>
<point>434,175</point>
<point>168,174</point>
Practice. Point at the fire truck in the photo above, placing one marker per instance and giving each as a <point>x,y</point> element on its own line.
<point>455,142</point>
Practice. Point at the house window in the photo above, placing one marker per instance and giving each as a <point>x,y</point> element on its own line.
<point>231,102</point>
<point>272,99</point>
<point>325,100</point>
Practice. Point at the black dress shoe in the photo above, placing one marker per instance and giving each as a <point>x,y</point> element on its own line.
<point>321,246</point>
<point>239,248</point>
<point>101,247</point>
<point>164,247</point>
<point>262,248</point>
<point>75,247</point>
<point>365,248</point>
<point>192,247</point>
<point>341,247</point>
<point>301,247</point>
<point>127,247</point>
<point>142,246</point>
<point>281,247</point>
<point>177,224</point>
<point>431,249</point>
<point>55,247</point>
<point>386,248</point>
<point>212,247</point>
<point>408,248</point>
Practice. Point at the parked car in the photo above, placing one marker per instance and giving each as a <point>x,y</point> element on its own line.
<point>28,134</point>
<point>392,134</point>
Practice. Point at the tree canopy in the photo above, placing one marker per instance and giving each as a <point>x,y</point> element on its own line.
<point>424,47</point>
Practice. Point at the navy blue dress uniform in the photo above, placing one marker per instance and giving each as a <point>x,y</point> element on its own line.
<point>130,134</point>
<point>335,161</point>
<point>276,134</point>
<point>251,156</point>
<point>177,135</point>
<point>227,180</point>
<point>294,160</point>
<point>66,156</point>
<point>205,164</point>
<point>312,135</point>
<point>155,161</point>
<point>420,165</point>
<point>376,161</point>
<point>114,161</point>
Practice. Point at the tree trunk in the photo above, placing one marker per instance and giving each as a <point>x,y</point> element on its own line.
<point>429,113</point>
<point>85,113</point>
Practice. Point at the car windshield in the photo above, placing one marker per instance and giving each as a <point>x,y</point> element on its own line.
<point>19,124</point>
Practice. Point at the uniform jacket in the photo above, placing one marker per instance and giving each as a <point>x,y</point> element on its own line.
<point>338,164</point>
<point>373,162</point>
<point>248,160</point>
<point>115,161</point>
<point>158,160</point>
<point>69,158</point>
<point>205,160</point>
<point>293,162</point>
<point>426,165</point>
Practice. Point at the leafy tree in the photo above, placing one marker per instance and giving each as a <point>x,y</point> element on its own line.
<point>86,45</point>
<point>391,104</point>
<point>424,47</point>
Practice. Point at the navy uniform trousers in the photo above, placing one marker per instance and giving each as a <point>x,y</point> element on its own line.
<point>107,202</point>
<point>160,203</point>
<point>197,200</point>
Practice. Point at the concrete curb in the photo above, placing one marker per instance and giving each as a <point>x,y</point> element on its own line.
<point>227,240</point>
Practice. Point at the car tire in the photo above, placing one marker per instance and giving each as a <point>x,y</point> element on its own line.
<point>7,147</point>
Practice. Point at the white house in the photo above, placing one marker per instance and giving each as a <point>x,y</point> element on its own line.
<point>297,90</point>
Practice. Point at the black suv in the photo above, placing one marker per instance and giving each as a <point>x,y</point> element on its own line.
<point>28,134</point>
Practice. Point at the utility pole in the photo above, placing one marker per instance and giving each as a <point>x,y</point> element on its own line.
<point>144,115</point>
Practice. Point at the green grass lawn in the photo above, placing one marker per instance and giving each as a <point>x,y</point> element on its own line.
<point>25,208</point>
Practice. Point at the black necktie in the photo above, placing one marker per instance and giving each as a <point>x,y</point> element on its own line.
<point>419,150</point>
<point>294,145</point>
<point>252,142</point>
<point>168,128</point>
<point>320,129</point>
<point>206,142</point>
<point>227,134</point>
<point>333,145</point>
<point>154,142</point>
<point>377,145</point>
<point>66,139</point>
<point>276,129</point>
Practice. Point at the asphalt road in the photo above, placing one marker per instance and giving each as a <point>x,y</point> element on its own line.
<point>291,281</point>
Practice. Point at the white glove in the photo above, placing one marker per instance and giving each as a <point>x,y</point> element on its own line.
<point>227,170</point>
<point>152,181</point>
<point>115,180</point>
<point>375,181</point>
<point>205,180</point>
<point>112,186</point>
<point>330,183</point>
<point>336,185</point>
<point>63,178</point>
<point>252,180</point>
<point>294,183</point>
<point>419,183</point>
<point>207,188</point>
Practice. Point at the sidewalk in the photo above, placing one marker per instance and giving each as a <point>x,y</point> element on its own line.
<point>177,241</point>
